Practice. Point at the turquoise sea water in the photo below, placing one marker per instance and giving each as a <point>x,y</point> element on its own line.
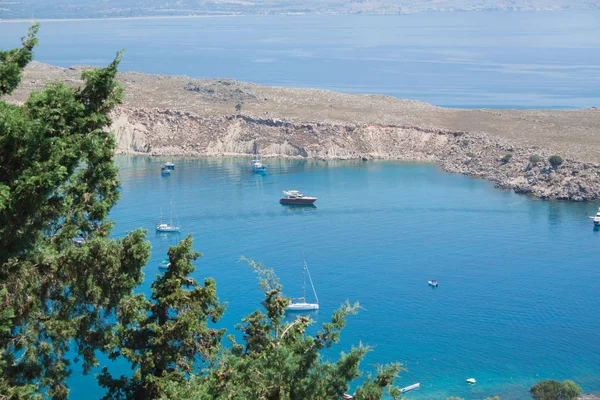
<point>518,296</point>
<point>480,59</point>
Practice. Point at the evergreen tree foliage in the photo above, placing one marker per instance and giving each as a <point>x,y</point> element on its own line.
<point>13,61</point>
<point>280,361</point>
<point>555,390</point>
<point>58,183</point>
<point>163,337</point>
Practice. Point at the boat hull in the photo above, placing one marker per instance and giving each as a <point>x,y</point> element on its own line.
<point>302,307</point>
<point>302,201</point>
<point>411,387</point>
<point>167,229</point>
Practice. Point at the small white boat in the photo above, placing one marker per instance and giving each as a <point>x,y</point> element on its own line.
<point>165,264</point>
<point>300,304</point>
<point>347,396</point>
<point>164,227</point>
<point>257,164</point>
<point>596,218</point>
<point>433,283</point>
<point>164,171</point>
<point>411,387</point>
<point>472,381</point>
<point>169,166</point>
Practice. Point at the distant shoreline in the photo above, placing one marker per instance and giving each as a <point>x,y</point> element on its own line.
<point>283,14</point>
<point>32,20</point>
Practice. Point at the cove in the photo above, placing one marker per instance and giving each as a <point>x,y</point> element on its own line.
<point>517,297</point>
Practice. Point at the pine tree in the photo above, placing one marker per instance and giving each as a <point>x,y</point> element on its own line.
<point>61,277</point>
<point>279,361</point>
<point>165,336</point>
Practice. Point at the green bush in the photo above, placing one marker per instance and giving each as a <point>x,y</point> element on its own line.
<point>470,154</point>
<point>555,390</point>
<point>506,158</point>
<point>535,159</point>
<point>555,161</point>
<point>238,107</point>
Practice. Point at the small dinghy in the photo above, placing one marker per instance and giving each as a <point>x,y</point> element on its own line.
<point>472,381</point>
<point>433,283</point>
<point>411,387</point>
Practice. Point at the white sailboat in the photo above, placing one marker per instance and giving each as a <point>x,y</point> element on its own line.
<point>163,227</point>
<point>300,304</point>
<point>257,164</point>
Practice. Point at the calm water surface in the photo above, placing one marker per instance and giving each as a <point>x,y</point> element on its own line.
<point>482,59</point>
<point>518,296</point>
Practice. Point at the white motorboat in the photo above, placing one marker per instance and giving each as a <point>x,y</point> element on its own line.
<point>169,166</point>
<point>294,197</point>
<point>596,218</point>
<point>164,227</point>
<point>433,283</point>
<point>300,304</point>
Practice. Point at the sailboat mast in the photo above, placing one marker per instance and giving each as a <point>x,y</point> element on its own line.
<point>304,284</point>
<point>310,279</point>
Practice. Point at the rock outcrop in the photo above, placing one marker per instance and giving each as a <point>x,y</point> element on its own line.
<point>169,132</point>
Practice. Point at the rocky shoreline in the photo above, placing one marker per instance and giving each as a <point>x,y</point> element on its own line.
<point>180,116</point>
<point>157,132</point>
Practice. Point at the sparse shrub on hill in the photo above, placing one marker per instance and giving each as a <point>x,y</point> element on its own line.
<point>535,159</point>
<point>506,158</point>
<point>555,161</point>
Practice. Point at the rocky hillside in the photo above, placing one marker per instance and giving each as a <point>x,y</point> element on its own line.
<point>180,116</point>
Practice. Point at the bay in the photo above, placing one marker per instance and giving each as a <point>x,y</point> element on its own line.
<point>517,301</point>
<point>477,59</point>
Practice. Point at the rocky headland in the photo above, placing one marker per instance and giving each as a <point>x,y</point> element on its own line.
<point>177,115</point>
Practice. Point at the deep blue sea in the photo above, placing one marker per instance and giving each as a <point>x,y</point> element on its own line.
<point>518,296</point>
<point>481,59</point>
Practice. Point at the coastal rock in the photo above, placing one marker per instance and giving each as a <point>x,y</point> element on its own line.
<point>171,132</point>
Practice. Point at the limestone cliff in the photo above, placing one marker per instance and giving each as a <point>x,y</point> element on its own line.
<point>167,132</point>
